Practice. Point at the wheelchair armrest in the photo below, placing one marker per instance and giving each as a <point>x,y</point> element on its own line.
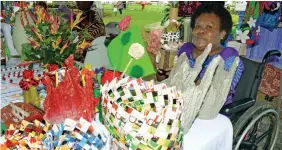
<point>237,106</point>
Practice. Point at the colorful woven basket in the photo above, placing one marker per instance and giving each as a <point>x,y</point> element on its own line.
<point>142,115</point>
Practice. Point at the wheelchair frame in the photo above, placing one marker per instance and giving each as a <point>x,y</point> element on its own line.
<point>263,113</point>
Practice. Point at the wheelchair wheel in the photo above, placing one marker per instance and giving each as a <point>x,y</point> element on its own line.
<point>249,130</point>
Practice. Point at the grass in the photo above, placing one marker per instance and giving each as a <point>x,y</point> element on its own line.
<point>151,14</point>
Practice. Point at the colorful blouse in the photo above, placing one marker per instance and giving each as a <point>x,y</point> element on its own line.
<point>228,54</point>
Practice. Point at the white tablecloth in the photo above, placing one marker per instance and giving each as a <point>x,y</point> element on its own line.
<point>216,134</point>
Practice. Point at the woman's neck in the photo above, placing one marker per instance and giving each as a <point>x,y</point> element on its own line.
<point>197,52</point>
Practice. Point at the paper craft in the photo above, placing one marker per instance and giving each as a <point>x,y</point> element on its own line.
<point>69,99</point>
<point>142,115</point>
<point>118,54</point>
<point>27,135</point>
<point>79,134</point>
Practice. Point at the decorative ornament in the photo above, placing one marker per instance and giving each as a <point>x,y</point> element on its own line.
<point>243,36</point>
<point>252,22</point>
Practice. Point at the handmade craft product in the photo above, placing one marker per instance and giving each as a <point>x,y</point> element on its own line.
<point>142,115</point>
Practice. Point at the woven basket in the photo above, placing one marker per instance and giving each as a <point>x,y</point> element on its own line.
<point>142,115</point>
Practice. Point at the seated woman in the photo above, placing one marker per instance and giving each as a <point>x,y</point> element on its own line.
<point>212,23</point>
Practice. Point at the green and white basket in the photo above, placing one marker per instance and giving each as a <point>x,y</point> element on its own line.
<point>142,115</point>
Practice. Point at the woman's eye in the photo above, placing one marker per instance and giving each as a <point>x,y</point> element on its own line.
<point>209,27</point>
<point>197,26</point>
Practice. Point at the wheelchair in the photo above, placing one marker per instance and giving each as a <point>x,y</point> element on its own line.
<point>249,117</point>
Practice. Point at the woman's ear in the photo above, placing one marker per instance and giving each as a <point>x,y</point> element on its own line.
<point>222,34</point>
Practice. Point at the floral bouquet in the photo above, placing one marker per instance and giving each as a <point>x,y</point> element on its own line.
<point>52,39</point>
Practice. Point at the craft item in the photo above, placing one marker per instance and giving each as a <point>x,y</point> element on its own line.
<point>15,112</point>
<point>142,115</point>
<point>136,51</point>
<point>154,41</point>
<point>218,91</point>
<point>119,58</point>
<point>57,105</point>
<point>79,134</point>
<point>109,75</point>
<point>29,84</point>
<point>26,135</point>
<point>124,23</point>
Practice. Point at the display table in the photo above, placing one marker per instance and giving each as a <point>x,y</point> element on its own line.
<point>216,134</point>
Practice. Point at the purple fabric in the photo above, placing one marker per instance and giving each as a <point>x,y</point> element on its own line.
<point>267,41</point>
<point>228,54</point>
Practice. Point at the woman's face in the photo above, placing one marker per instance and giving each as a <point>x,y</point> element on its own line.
<point>84,5</point>
<point>207,30</point>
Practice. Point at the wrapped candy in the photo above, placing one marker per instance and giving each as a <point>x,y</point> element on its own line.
<point>142,115</point>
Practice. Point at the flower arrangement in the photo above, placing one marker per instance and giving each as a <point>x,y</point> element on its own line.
<point>52,39</point>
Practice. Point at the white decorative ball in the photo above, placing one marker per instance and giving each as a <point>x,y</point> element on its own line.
<point>136,50</point>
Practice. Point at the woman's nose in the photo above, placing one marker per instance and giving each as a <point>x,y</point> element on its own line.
<point>200,30</point>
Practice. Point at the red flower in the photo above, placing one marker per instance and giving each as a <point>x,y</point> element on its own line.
<point>124,24</point>
<point>24,85</point>
<point>52,67</point>
<point>34,82</point>
<point>28,74</point>
<point>109,76</point>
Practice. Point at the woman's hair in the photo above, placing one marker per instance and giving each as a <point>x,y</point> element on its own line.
<point>84,5</point>
<point>42,4</point>
<point>217,9</point>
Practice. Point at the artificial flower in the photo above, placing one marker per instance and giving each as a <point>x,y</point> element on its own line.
<point>124,24</point>
<point>40,12</point>
<point>82,45</point>
<point>34,44</point>
<point>243,36</point>
<point>78,19</point>
<point>252,22</point>
<point>64,47</point>
<point>52,67</point>
<point>28,74</point>
<point>36,32</point>
<point>55,44</point>
<point>55,25</point>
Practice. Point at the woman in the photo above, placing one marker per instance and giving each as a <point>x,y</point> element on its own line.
<point>212,23</point>
<point>93,22</point>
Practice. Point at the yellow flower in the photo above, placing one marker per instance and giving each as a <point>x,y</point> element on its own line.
<point>64,47</point>
<point>83,45</point>
<point>40,12</point>
<point>78,19</point>
<point>55,44</point>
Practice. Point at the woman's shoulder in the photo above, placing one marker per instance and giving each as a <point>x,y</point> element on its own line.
<point>186,48</point>
<point>228,52</point>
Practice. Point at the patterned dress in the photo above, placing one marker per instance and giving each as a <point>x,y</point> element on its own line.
<point>228,54</point>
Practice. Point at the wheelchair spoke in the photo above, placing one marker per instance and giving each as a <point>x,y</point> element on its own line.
<point>263,135</point>
<point>254,131</point>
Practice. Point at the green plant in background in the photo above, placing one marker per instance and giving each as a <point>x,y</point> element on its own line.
<point>51,38</point>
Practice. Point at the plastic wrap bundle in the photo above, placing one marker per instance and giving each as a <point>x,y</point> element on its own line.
<point>27,135</point>
<point>76,135</point>
<point>142,115</point>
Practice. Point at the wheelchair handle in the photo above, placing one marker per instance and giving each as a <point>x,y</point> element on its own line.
<point>271,53</point>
